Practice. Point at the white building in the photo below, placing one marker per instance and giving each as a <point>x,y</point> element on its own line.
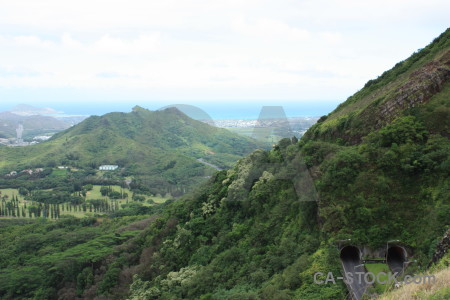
<point>41,138</point>
<point>108,167</point>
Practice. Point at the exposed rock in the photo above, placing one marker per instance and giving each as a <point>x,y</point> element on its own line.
<point>441,248</point>
<point>421,86</point>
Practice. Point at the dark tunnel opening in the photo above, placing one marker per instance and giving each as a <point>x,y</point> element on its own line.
<point>395,258</point>
<point>350,253</point>
<point>396,254</point>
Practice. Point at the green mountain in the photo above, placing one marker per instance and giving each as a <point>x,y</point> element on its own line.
<point>374,170</point>
<point>160,147</point>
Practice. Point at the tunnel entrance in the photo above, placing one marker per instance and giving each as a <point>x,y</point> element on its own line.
<point>350,253</point>
<point>396,257</point>
<point>351,263</point>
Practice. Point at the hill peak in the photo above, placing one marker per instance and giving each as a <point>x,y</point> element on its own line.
<point>137,108</point>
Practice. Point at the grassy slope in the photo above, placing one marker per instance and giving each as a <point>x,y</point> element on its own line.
<point>376,269</point>
<point>438,290</point>
<point>94,194</point>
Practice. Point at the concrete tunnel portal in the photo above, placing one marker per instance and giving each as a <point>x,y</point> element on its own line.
<point>395,258</point>
<point>351,258</point>
<point>351,262</point>
<point>350,253</point>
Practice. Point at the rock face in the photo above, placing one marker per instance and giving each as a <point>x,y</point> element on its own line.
<point>441,248</point>
<point>421,86</point>
<point>411,83</point>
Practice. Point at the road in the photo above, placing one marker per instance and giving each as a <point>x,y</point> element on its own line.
<point>209,164</point>
<point>352,264</point>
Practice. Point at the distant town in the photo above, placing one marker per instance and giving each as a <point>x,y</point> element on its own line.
<point>18,140</point>
<point>293,126</point>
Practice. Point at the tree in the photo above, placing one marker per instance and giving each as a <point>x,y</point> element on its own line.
<point>104,190</point>
<point>23,191</point>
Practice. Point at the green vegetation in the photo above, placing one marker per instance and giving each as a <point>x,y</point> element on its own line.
<point>59,173</point>
<point>38,256</point>
<point>376,269</point>
<point>53,204</point>
<point>399,173</point>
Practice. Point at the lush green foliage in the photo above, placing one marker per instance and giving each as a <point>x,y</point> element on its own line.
<point>39,257</point>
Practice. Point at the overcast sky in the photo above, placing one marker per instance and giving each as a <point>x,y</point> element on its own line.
<point>186,51</point>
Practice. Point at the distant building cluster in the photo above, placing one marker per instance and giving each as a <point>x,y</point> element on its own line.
<point>108,167</point>
<point>18,140</point>
<point>13,142</point>
<point>4,142</point>
<point>28,171</point>
<point>41,138</point>
<point>236,123</point>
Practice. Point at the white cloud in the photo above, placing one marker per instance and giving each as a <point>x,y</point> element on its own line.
<point>107,44</point>
<point>30,41</point>
<point>271,29</point>
<point>69,42</point>
<point>331,37</point>
<point>237,48</point>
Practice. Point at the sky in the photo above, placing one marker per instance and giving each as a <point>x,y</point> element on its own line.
<point>90,56</point>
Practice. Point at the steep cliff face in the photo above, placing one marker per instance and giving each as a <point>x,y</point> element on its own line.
<point>421,86</point>
<point>410,83</point>
<point>441,248</point>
